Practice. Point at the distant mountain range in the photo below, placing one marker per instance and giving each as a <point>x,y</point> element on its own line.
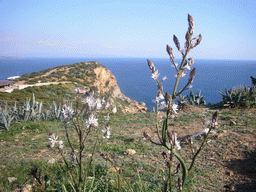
<point>4,57</point>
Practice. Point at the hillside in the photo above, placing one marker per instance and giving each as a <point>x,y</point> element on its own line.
<point>63,80</point>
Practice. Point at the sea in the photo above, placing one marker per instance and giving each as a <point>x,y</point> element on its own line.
<point>134,77</point>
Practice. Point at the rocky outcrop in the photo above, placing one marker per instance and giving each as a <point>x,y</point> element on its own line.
<point>106,83</point>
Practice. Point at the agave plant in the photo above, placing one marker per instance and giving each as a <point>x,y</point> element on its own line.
<point>7,119</point>
<point>232,98</point>
<point>195,99</point>
<point>55,111</point>
<point>239,97</point>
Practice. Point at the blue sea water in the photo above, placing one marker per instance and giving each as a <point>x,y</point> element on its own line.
<point>134,77</point>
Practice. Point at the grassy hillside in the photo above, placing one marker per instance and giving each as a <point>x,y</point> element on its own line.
<point>227,159</point>
<point>79,72</point>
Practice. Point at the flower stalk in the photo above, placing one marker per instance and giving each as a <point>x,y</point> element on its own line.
<point>167,139</point>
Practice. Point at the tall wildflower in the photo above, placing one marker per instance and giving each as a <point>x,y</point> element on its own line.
<point>166,101</point>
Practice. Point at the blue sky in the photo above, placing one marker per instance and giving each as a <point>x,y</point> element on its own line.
<point>108,28</point>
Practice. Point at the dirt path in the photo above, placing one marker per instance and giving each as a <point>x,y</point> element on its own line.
<point>21,85</point>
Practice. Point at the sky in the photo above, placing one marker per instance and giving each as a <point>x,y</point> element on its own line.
<point>111,28</point>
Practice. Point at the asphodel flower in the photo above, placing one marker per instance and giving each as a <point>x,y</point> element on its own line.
<point>91,121</point>
<point>173,140</point>
<point>106,132</point>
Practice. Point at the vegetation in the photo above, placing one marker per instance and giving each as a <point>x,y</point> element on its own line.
<point>239,97</point>
<point>26,145</point>
<point>82,73</point>
<point>60,140</point>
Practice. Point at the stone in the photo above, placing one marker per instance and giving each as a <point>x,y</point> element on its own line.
<point>114,169</point>
<point>51,161</point>
<point>11,179</point>
<point>27,188</point>
<point>130,152</point>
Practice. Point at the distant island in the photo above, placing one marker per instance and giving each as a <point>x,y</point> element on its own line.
<point>4,57</point>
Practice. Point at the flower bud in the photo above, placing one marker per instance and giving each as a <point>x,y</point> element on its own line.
<point>190,61</point>
<point>168,99</point>
<point>151,66</point>
<point>191,25</point>
<point>170,52</point>
<point>192,75</point>
<point>176,42</point>
<point>199,40</point>
<point>188,37</point>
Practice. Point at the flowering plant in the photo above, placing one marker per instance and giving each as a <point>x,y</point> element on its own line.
<point>166,101</point>
<point>83,119</point>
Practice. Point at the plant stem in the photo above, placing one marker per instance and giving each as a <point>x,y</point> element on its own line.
<point>199,150</point>
<point>80,155</point>
<point>170,169</point>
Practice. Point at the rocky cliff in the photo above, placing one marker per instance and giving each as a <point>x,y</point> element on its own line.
<point>106,83</point>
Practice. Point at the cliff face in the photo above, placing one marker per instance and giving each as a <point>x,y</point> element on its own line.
<point>106,83</point>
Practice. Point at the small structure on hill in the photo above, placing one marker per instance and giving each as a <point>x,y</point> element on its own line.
<point>13,77</point>
<point>4,84</point>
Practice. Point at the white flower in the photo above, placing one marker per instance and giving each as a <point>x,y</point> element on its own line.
<point>174,141</point>
<point>98,104</point>
<point>76,91</point>
<point>159,97</point>
<point>107,117</point>
<point>186,67</point>
<point>164,78</point>
<point>53,139</point>
<point>203,132</point>
<point>90,100</point>
<point>106,132</point>
<point>211,123</point>
<point>114,110</point>
<point>175,108</point>
<point>183,74</point>
<point>190,86</point>
<point>107,105</point>
<point>162,105</point>
<point>91,121</point>
<point>155,75</point>
<point>177,144</point>
<point>66,111</point>
<point>61,144</point>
